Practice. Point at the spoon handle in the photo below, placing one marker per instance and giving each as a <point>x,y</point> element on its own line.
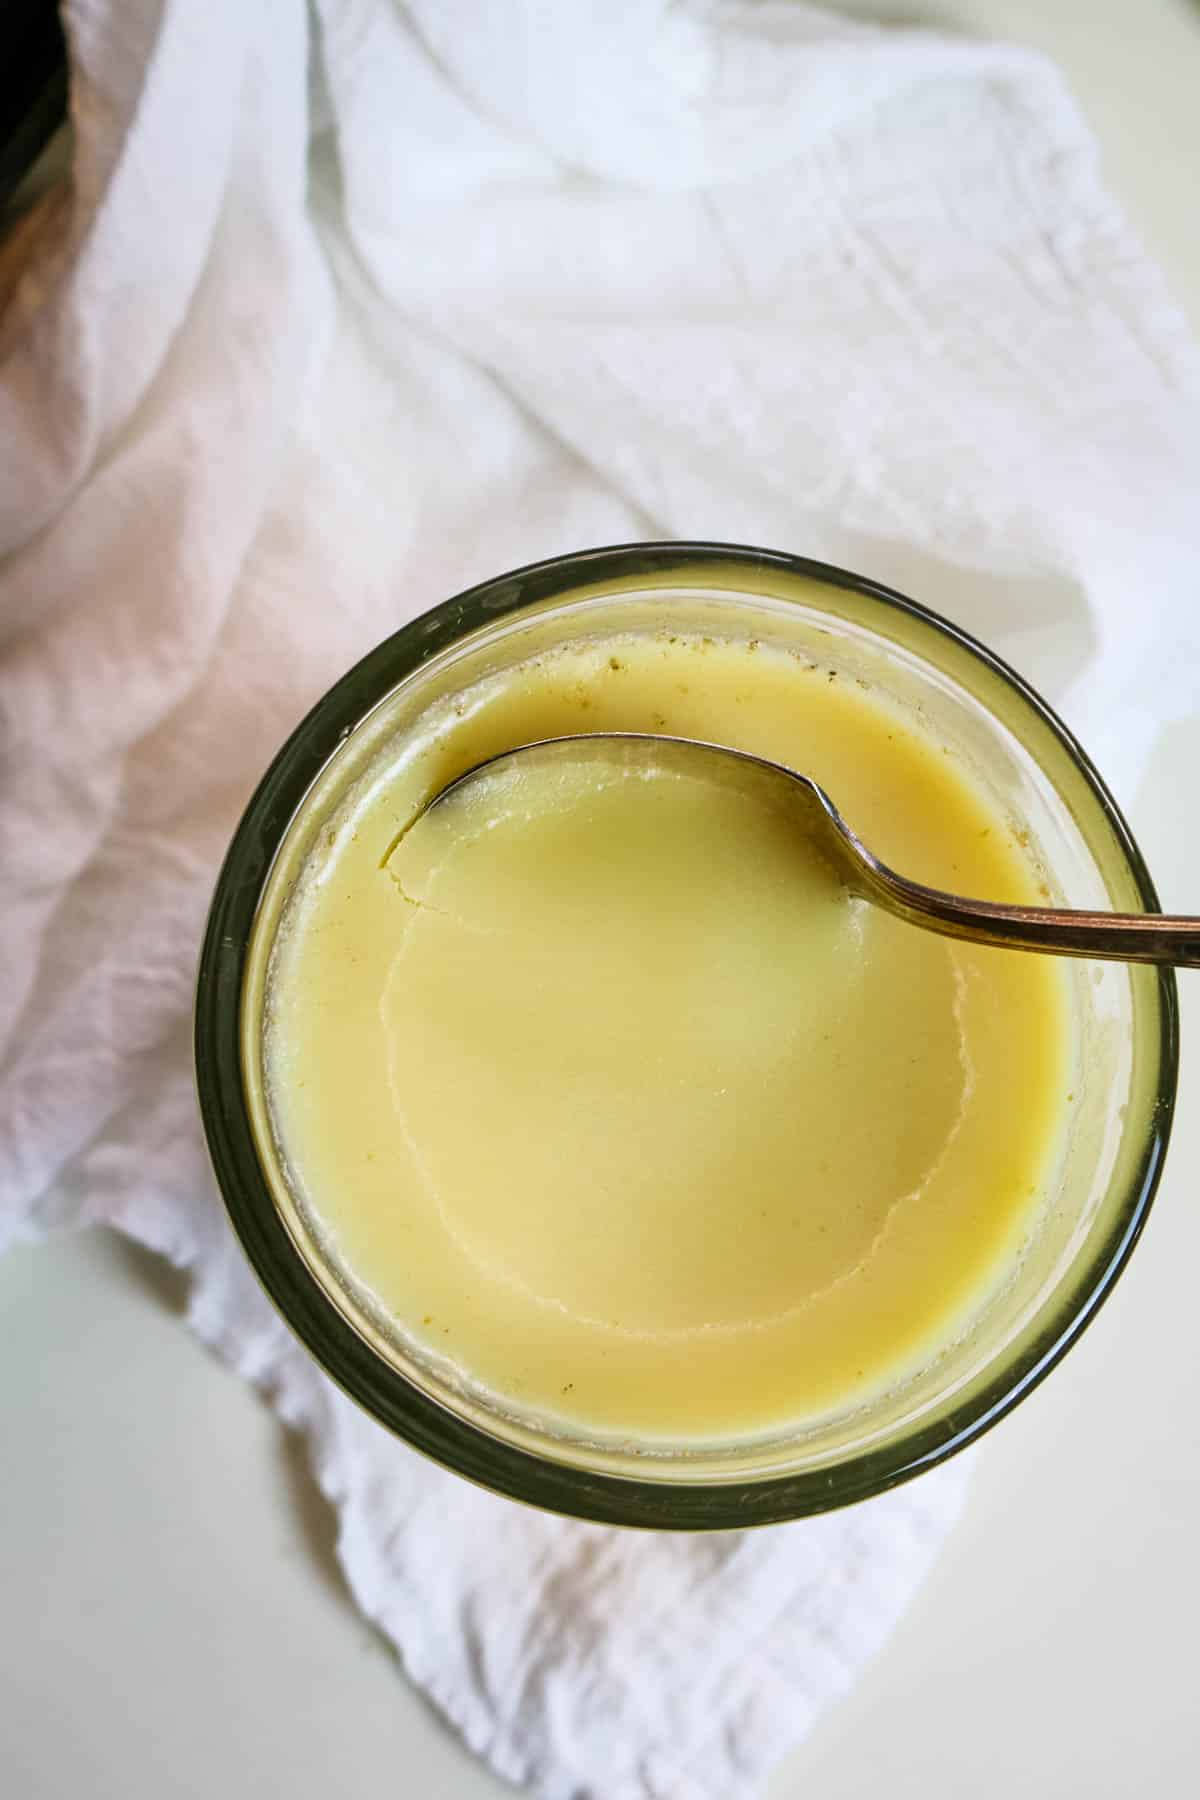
<point>1107,936</point>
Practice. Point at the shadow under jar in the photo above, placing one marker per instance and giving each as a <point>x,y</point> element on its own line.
<point>1109,1139</point>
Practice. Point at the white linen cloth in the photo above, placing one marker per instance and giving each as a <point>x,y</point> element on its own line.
<point>343,311</point>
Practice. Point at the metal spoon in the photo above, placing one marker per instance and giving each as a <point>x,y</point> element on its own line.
<point>1113,937</point>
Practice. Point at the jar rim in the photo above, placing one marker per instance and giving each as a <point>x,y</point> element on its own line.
<point>329,1336</point>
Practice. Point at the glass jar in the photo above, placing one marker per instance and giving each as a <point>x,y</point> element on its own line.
<point>1124,1021</point>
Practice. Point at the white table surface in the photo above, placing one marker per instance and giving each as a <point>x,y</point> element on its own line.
<point>172,1618</point>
